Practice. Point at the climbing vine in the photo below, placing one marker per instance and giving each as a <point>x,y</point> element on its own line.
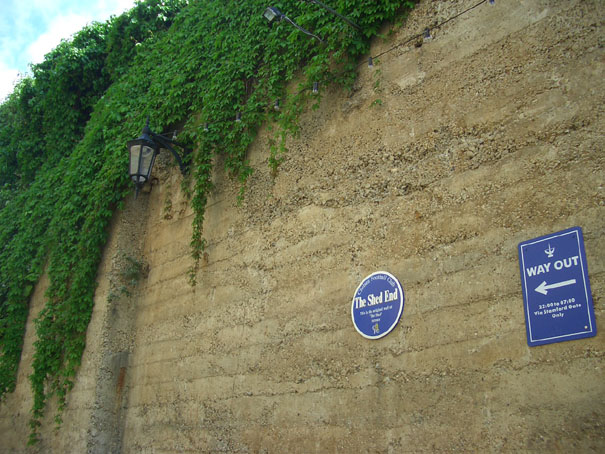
<point>187,64</point>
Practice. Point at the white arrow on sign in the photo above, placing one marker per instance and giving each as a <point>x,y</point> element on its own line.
<point>543,288</point>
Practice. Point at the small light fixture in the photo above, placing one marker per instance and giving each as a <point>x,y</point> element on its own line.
<point>427,34</point>
<point>143,151</point>
<point>370,63</point>
<point>315,88</point>
<point>206,127</point>
<point>276,106</point>
<point>238,117</point>
<point>492,2</point>
<point>272,14</point>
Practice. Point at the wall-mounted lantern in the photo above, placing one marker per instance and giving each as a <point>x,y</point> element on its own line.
<point>143,152</point>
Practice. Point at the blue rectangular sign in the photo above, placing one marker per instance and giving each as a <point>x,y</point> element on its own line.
<point>556,291</point>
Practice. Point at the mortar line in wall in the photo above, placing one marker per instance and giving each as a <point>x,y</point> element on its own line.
<point>409,285</point>
<point>187,216</point>
<point>416,377</point>
<point>501,296</point>
<point>241,232</point>
<point>185,337</point>
<point>297,335</point>
<point>471,369</point>
<point>215,243</point>
<point>180,219</point>
<point>165,302</point>
<point>268,344</point>
<point>178,255</point>
<point>489,299</point>
<point>162,276</point>
<point>295,385</point>
<point>216,202</point>
<point>278,394</point>
<point>282,264</point>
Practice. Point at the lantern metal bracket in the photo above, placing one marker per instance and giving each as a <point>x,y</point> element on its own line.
<point>165,142</point>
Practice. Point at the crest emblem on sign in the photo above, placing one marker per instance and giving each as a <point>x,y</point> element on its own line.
<point>550,251</point>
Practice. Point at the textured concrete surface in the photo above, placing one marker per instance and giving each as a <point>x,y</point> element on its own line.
<point>439,162</point>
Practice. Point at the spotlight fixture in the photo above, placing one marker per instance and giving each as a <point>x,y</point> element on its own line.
<point>272,14</point>
<point>492,2</point>
<point>370,63</point>
<point>276,106</point>
<point>143,152</point>
<point>206,128</point>
<point>427,34</point>
<point>238,117</point>
<point>315,88</point>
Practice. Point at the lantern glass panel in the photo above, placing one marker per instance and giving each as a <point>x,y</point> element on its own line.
<point>141,162</point>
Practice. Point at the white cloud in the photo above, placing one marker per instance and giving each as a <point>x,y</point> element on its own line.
<point>29,29</point>
<point>61,27</point>
<point>115,7</point>
<point>8,78</point>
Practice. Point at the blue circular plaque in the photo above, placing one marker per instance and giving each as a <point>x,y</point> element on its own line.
<point>377,305</point>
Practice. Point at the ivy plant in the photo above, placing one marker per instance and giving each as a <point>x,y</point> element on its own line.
<point>187,65</point>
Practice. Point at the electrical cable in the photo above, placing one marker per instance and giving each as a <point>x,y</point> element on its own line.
<point>421,34</point>
<point>302,29</point>
<point>371,58</point>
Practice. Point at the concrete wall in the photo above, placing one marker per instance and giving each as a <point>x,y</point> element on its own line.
<point>440,161</point>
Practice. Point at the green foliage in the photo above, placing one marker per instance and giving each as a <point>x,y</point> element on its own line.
<point>63,135</point>
<point>130,271</point>
<point>130,29</point>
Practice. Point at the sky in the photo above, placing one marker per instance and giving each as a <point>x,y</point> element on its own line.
<point>29,29</point>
